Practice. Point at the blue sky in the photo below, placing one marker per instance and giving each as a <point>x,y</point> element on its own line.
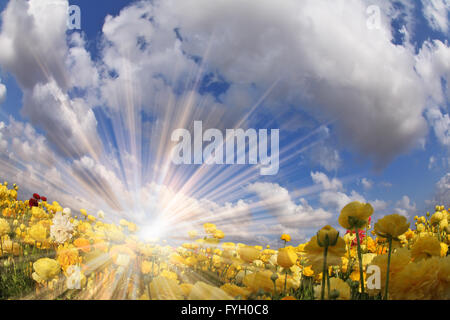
<point>88,113</point>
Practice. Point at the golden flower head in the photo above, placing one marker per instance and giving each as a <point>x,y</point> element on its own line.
<point>4,227</point>
<point>392,225</point>
<point>286,257</point>
<point>425,247</point>
<point>355,215</point>
<point>45,269</point>
<point>285,237</point>
<point>327,236</point>
<point>248,253</point>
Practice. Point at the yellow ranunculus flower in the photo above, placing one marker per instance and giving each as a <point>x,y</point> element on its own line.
<point>286,257</point>
<point>355,214</point>
<point>38,232</point>
<point>210,228</point>
<point>425,247</point>
<point>342,288</point>
<point>285,237</point>
<point>392,225</point>
<point>444,249</point>
<point>219,234</point>
<point>45,269</point>
<point>248,253</point>
<point>4,227</point>
<point>327,236</point>
<point>314,254</point>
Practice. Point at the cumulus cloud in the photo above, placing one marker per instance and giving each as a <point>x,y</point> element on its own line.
<point>278,203</point>
<point>406,207</point>
<point>442,195</point>
<point>324,67</point>
<point>34,50</point>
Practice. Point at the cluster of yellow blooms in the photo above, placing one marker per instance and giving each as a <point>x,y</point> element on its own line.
<point>83,257</point>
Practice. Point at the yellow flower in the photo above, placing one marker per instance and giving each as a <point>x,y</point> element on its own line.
<point>83,212</point>
<point>45,269</point>
<point>444,249</point>
<point>427,279</point>
<point>10,247</point>
<point>286,257</point>
<point>38,232</point>
<point>203,291</point>
<point>436,218</point>
<point>286,237</point>
<point>38,213</point>
<point>314,254</point>
<point>82,244</point>
<point>4,227</point>
<point>355,214</point>
<point>186,289</point>
<point>235,291</point>
<point>420,227</point>
<point>392,225</point>
<point>210,228</point>
<point>248,253</point>
<point>399,260</point>
<point>146,267</point>
<point>327,236</point>
<point>219,234</point>
<point>342,289</point>
<point>67,255</point>
<point>162,288</point>
<point>425,247</point>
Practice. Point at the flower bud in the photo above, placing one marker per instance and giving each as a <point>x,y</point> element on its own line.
<point>327,236</point>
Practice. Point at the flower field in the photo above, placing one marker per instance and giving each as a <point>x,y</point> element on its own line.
<point>50,252</point>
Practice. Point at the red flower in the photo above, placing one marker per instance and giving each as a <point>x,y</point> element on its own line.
<point>43,198</point>
<point>36,196</point>
<point>32,202</point>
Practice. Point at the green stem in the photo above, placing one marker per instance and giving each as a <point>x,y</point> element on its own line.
<point>361,275</point>
<point>387,271</point>
<point>325,251</point>
<point>328,284</point>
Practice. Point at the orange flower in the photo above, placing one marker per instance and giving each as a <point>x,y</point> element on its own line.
<point>82,244</point>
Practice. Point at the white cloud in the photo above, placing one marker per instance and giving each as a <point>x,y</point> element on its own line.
<point>325,67</point>
<point>366,183</point>
<point>437,14</point>
<point>405,207</point>
<point>379,205</point>
<point>326,183</point>
<point>2,92</point>
<point>277,201</point>
<point>442,196</point>
<point>35,50</point>
<point>326,156</point>
<point>441,125</point>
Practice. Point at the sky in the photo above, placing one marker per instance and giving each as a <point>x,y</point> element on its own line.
<point>358,89</point>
